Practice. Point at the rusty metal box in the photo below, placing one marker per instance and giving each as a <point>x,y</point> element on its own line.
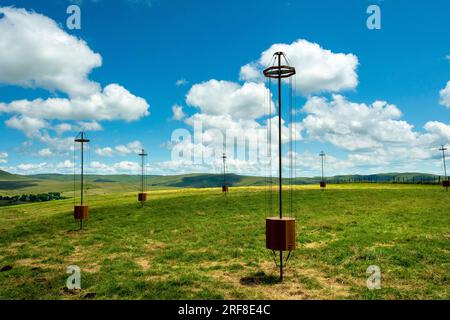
<point>280,234</point>
<point>142,197</point>
<point>81,212</point>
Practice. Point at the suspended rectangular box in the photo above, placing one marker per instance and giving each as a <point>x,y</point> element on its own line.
<point>323,184</point>
<point>142,196</point>
<point>224,188</point>
<point>446,183</point>
<point>280,234</point>
<point>81,212</point>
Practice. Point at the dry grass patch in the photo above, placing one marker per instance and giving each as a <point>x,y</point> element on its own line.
<point>262,283</point>
<point>143,263</point>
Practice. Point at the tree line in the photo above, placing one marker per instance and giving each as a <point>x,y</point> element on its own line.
<point>41,197</point>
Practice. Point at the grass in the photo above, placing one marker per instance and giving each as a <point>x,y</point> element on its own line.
<point>198,244</point>
<point>13,184</point>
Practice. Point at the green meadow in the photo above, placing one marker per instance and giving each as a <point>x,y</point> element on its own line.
<point>199,244</point>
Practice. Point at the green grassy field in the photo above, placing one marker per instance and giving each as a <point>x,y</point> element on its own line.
<point>198,244</point>
<point>13,184</point>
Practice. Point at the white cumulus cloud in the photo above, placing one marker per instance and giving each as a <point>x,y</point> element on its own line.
<point>3,157</point>
<point>439,130</point>
<point>29,125</point>
<point>445,95</point>
<point>216,97</point>
<point>89,126</point>
<point>355,126</point>
<point>62,128</point>
<point>104,152</point>
<point>33,167</point>
<point>133,147</point>
<point>318,69</point>
<point>46,152</point>
<point>66,164</point>
<point>178,113</point>
<point>181,82</point>
<point>113,103</point>
<point>36,52</point>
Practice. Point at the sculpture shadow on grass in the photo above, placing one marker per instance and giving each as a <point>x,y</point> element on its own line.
<point>14,185</point>
<point>259,278</point>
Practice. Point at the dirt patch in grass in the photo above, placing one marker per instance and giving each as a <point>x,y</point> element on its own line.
<point>303,283</point>
<point>314,245</point>
<point>14,247</point>
<point>262,283</point>
<point>33,263</point>
<point>155,245</point>
<point>143,263</point>
<point>331,288</point>
<point>82,257</point>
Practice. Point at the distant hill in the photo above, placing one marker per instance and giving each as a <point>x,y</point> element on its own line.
<point>13,184</point>
<point>9,181</point>
<point>6,176</point>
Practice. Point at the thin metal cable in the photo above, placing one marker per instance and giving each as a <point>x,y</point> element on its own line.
<point>269,148</point>
<point>266,94</point>
<point>74,172</point>
<point>88,170</point>
<point>290,148</point>
<point>146,175</point>
<point>266,173</point>
<point>295,121</point>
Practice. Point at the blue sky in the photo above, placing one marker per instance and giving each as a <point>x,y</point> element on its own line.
<point>147,46</point>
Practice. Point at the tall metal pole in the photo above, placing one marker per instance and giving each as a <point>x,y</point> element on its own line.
<point>142,175</point>
<point>322,155</point>
<point>279,140</point>
<point>82,140</point>
<point>443,159</point>
<point>224,158</point>
<point>142,155</point>
<point>82,166</point>
<point>280,187</point>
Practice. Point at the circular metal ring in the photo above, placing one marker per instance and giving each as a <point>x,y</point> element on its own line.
<point>279,72</point>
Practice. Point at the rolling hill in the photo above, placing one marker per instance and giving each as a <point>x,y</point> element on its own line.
<point>13,184</point>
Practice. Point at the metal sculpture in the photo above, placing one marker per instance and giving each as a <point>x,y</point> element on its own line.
<point>323,183</point>
<point>81,211</point>
<point>142,196</point>
<point>446,181</point>
<point>224,181</point>
<point>280,231</point>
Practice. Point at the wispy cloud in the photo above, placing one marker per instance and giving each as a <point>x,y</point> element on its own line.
<point>181,82</point>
